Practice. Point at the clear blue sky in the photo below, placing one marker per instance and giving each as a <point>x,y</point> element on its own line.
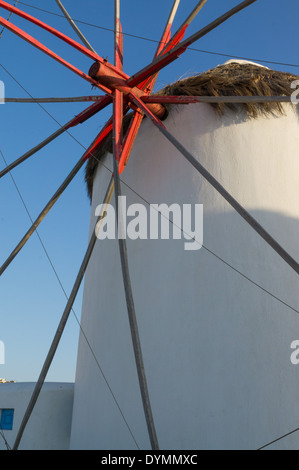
<point>31,299</point>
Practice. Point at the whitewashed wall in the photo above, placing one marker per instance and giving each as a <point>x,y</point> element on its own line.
<point>50,423</point>
<point>216,347</point>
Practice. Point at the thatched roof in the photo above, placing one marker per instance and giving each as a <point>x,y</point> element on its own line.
<point>230,79</point>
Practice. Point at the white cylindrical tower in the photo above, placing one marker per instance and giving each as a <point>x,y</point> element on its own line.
<point>215,334</point>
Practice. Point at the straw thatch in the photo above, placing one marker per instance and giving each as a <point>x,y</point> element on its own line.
<point>229,79</point>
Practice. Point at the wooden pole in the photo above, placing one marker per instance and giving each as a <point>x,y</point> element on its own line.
<point>74,99</point>
<point>166,33</point>
<point>42,215</point>
<point>75,27</point>
<point>79,119</point>
<point>32,151</point>
<point>180,33</point>
<point>164,59</point>
<point>181,99</point>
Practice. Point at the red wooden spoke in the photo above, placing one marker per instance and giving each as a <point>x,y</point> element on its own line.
<point>145,78</point>
<point>132,133</point>
<point>143,107</point>
<point>117,124</point>
<point>118,95</point>
<point>79,119</point>
<point>171,99</point>
<point>172,55</point>
<point>214,99</point>
<point>99,139</point>
<point>89,112</point>
<point>129,140</point>
<point>118,46</point>
<point>167,31</point>
<point>19,32</point>
<point>166,36</point>
<point>105,131</point>
<point>179,35</point>
<point>148,86</point>
<point>61,36</point>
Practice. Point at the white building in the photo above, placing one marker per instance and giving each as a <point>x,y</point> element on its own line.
<point>215,336</point>
<point>50,424</point>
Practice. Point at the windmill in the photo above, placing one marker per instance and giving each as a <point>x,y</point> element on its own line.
<point>128,93</point>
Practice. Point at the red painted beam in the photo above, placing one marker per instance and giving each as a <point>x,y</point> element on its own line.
<point>89,112</point>
<point>118,98</point>
<point>61,36</point>
<point>179,35</point>
<point>117,124</point>
<point>19,32</point>
<point>109,79</point>
<point>129,140</point>
<point>165,59</point>
<point>171,99</point>
<point>147,86</point>
<point>106,130</point>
